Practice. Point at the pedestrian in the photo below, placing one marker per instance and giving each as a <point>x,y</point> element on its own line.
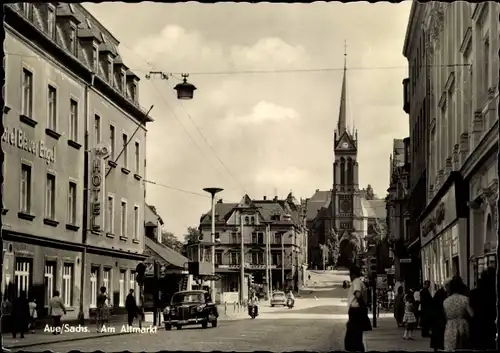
<point>33,314</point>
<point>416,297</point>
<point>458,313</point>
<point>426,305</point>
<point>20,315</point>
<point>102,310</point>
<point>390,297</point>
<point>399,306</point>
<point>6,316</point>
<point>438,320</point>
<point>409,319</point>
<point>131,307</point>
<point>56,310</point>
<point>482,302</point>
<point>358,321</point>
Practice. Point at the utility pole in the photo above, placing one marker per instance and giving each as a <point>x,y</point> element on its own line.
<point>283,261</point>
<point>212,192</point>
<point>242,259</point>
<point>268,260</point>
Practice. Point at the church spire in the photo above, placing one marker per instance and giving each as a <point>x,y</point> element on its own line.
<point>342,123</point>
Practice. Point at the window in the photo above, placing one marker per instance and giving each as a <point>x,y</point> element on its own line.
<point>133,92</point>
<point>276,259</point>
<point>252,220</point>
<point>122,288</point>
<point>254,238</point>
<point>123,81</point>
<point>52,106</point>
<point>218,258</point>
<point>247,221</point>
<point>22,276</point>
<point>112,138</point>
<point>234,258</point>
<point>97,128</point>
<point>27,99</point>
<point>95,58</point>
<point>123,219</point>
<point>124,145</point>
<point>73,120</point>
<point>50,281</point>
<point>486,69</point>
<point>106,275</point>
<point>51,22</point>
<point>50,200</point>
<point>25,188</point>
<point>255,258</point>
<point>28,10</point>
<point>277,239</point>
<point>137,159</point>
<point>110,210</point>
<point>110,71</point>
<point>260,238</point>
<point>72,40</point>
<point>94,273</point>
<point>131,280</point>
<point>217,237</point>
<point>342,171</point>
<point>136,222</point>
<point>260,258</point>
<point>72,203</point>
<point>234,238</point>
<point>67,285</point>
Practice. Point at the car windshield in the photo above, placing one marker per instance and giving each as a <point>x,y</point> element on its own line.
<point>278,295</point>
<point>181,298</point>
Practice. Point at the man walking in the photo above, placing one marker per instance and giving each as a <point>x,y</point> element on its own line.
<point>131,307</point>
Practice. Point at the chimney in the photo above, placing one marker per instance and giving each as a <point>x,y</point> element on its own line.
<point>317,190</point>
<point>265,198</point>
<point>220,201</point>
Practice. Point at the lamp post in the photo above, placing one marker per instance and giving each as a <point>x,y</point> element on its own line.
<point>185,90</point>
<point>268,259</point>
<point>213,192</point>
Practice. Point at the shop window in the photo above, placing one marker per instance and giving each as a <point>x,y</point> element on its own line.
<point>447,269</point>
<point>455,266</point>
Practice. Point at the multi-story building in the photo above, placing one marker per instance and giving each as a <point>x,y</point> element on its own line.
<point>461,48</point>
<point>67,90</point>
<point>416,104</point>
<point>251,218</point>
<point>397,204</point>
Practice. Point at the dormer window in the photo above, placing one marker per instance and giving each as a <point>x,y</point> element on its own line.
<point>123,82</point>
<point>110,70</point>
<point>95,59</point>
<point>71,8</point>
<point>51,21</point>
<point>133,91</point>
<point>27,10</point>
<point>72,40</point>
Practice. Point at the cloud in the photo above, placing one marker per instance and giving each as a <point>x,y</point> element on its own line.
<point>266,112</point>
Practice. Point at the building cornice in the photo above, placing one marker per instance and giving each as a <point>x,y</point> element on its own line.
<point>485,148</point>
<point>409,29</point>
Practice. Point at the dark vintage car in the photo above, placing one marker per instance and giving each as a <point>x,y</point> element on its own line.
<point>190,308</point>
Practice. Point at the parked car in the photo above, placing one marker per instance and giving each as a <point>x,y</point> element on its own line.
<point>278,298</point>
<point>190,308</point>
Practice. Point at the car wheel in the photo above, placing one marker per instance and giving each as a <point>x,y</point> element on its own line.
<point>179,327</point>
<point>214,323</point>
<point>168,326</point>
<point>204,324</point>
<point>272,305</point>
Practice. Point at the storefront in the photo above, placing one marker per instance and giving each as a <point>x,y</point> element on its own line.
<point>443,228</point>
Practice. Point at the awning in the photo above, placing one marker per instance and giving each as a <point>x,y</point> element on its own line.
<point>172,257</point>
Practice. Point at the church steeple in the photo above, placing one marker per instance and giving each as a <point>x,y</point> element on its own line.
<point>342,123</point>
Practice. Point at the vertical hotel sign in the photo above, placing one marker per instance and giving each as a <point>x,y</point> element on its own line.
<point>97,186</point>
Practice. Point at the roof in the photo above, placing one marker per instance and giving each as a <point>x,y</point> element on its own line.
<point>374,208</point>
<point>151,215</point>
<point>319,200</point>
<point>169,255</point>
<point>416,7</point>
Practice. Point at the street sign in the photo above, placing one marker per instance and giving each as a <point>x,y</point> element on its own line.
<point>405,261</point>
<point>382,282</point>
<point>150,270</point>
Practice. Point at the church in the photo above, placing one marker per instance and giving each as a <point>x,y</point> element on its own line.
<point>345,211</point>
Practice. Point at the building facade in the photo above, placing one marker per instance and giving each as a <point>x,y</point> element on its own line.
<point>462,141</point>
<point>254,218</point>
<point>397,204</point>
<point>66,88</point>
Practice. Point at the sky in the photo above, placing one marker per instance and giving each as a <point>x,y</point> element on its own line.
<point>260,133</point>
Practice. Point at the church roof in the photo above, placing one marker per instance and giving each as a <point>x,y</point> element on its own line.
<point>374,208</point>
<point>316,202</point>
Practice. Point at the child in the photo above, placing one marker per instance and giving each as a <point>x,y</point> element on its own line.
<point>33,314</point>
<point>409,318</point>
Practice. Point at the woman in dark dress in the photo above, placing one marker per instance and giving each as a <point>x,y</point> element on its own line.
<point>426,304</point>
<point>483,302</point>
<point>399,306</point>
<point>438,320</point>
<point>20,315</point>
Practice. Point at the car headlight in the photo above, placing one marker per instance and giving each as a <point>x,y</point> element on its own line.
<point>166,311</point>
<point>200,308</point>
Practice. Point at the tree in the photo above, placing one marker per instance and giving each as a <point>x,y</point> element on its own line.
<point>324,253</point>
<point>192,236</point>
<point>332,243</point>
<point>169,239</point>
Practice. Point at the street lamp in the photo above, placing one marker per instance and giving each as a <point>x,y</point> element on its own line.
<point>185,90</point>
<point>213,192</point>
<point>268,257</point>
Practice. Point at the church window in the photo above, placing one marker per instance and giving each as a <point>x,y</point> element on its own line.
<point>342,171</point>
<point>247,221</point>
<point>350,174</point>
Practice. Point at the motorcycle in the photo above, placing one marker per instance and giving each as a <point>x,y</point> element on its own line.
<point>290,303</point>
<point>253,311</point>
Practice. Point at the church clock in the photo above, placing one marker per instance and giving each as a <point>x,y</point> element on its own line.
<point>345,145</point>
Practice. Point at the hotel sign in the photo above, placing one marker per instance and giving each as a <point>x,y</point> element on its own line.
<point>97,176</point>
<point>18,138</point>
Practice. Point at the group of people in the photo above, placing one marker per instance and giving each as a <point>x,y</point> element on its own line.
<point>455,317</point>
<point>20,315</point>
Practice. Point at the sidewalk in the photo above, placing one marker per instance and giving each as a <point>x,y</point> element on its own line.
<point>388,337</point>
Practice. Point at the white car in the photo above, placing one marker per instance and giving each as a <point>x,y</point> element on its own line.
<point>278,298</point>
